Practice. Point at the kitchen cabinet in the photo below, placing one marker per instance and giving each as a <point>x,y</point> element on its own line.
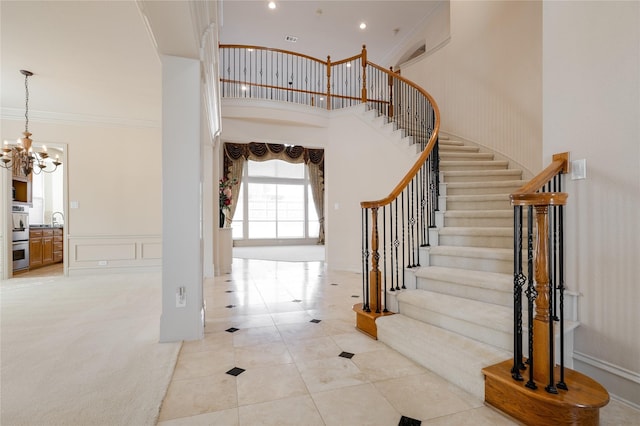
<point>57,245</point>
<point>45,247</point>
<point>21,183</point>
<point>35,248</point>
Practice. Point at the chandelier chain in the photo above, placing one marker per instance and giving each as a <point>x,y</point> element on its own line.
<point>26,103</point>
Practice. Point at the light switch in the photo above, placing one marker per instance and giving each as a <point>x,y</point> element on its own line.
<point>579,169</point>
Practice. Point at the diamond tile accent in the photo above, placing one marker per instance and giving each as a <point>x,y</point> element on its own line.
<point>347,355</point>
<point>316,321</point>
<point>228,281</point>
<point>355,296</point>
<point>408,421</point>
<point>236,371</point>
<point>229,291</point>
<point>296,300</point>
<point>334,284</point>
<point>232,330</point>
<point>230,306</point>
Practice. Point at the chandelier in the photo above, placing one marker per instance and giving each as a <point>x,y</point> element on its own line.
<point>20,155</point>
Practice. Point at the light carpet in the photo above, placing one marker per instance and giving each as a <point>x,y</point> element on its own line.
<point>300,253</point>
<point>83,350</point>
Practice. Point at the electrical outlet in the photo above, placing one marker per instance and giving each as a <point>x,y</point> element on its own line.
<point>181,297</point>
<point>102,263</point>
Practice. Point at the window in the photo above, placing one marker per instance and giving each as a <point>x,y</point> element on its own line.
<point>275,202</point>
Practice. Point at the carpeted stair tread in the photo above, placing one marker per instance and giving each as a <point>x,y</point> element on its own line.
<point>474,252</point>
<point>479,213</point>
<point>502,231</point>
<point>449,143</point>
<point>457,148</point>
<point>489,280</point>
<point>478,173</point>
<point>480,164</point>
<point>479,197</point>
<point>495,317</point>
<point>456,358</point>
<point>469,156</point>
<point>487,184</point>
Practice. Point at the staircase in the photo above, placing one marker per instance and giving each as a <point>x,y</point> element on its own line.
<point>456,315</point>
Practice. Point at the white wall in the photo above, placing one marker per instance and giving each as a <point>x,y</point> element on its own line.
<point>114,175</point>
<point>487,78</point>
<point>182,177</point>
<point>591,83</point>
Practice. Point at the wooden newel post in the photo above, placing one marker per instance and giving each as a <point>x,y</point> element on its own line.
<point>364,74</point>
<point>375,278</point>
<point>328,82</point>
<point>541,333</point>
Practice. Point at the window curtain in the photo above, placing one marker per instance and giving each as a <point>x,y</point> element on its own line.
<point>235,154</point>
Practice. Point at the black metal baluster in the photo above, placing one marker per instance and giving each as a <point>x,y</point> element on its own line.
<point>412,225</point>
<point>561,384</point>
<point>396,244</point>
<point>553,231</point>
<point>517,293</point>
<point>403,243</point>
<point>391,245</point>
<point>532,294</point>
<point>423,206</point>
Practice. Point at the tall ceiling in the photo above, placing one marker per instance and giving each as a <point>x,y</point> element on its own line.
<point>96,60</point>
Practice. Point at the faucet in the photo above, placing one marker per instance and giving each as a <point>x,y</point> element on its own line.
<point>53,218</point>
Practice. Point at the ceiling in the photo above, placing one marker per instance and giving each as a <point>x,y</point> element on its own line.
<point>97,61</point>
<point>326,28</point>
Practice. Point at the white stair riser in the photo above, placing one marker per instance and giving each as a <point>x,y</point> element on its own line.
<point>478,222</point>
<point>480,177</point>
<point>488,189</point>
<point>475,241</point>
<point>465,156</point>
<point>456,149</point>
<point>480,332</point>
<point>472,263</point>
<point>503,298</point>
<point>480,204</point>
<point>446,166</point>
<point>438,359</point>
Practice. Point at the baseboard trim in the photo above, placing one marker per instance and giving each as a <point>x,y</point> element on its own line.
<point>622,384</point>
<point>78,272</point>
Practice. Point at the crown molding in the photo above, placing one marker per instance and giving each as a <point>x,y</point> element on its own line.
<point>76,119</point>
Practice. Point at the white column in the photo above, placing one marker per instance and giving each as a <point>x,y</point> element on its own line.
<point>182,258</point>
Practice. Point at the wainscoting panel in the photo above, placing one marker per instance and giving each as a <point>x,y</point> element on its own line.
<point>90,254</point>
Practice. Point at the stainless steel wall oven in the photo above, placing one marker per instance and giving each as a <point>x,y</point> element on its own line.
<point>20,238</point>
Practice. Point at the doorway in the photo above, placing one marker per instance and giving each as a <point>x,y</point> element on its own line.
<point>46,224</point>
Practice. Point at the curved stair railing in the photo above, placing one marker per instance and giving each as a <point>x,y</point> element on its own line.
<point>393,228</point>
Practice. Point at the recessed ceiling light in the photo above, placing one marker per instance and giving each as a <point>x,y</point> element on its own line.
<point>363,25</point>
<point>272,5</point>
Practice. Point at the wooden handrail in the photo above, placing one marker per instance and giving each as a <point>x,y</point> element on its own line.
<point>527,194</point>
<point>423,156</point>
<point>288,52</point>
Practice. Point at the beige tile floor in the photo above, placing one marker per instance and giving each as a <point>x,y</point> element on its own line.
<point>293,372</point>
